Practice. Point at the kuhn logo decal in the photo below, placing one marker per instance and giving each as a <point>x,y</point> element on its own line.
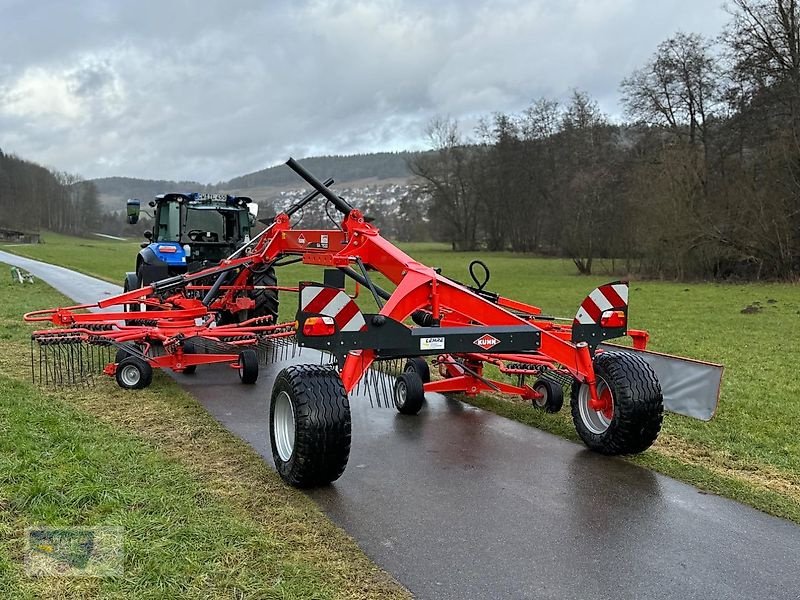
<point>486,341</point>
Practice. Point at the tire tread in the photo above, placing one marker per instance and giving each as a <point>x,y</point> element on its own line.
<point>638,405</point>
<point>322,425</point>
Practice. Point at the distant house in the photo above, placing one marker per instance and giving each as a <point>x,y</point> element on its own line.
<point>18,237</point>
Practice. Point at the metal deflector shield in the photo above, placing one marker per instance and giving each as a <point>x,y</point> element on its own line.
<point>690,387</point>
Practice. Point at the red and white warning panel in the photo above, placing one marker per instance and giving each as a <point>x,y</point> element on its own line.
<point>609,297</point>
<point>332,302</point>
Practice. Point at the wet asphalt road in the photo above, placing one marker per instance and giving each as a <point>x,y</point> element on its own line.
<point>460,503</point>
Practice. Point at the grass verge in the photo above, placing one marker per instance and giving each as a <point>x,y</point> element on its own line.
<point>203,515</point>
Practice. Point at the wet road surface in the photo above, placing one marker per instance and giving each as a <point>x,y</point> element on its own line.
<point>460,503</point>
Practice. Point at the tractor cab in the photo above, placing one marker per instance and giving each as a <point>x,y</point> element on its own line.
<point>190,231</point>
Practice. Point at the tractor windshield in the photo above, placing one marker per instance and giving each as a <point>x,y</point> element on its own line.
<point>214,225</point>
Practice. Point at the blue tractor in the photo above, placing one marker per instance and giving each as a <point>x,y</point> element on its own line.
<point>193,231</point>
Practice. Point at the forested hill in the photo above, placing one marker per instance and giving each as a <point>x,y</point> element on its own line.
<point>344,169</point>
<point>33,198</point>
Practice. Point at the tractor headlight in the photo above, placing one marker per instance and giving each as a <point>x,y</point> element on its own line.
<point>187,249</point>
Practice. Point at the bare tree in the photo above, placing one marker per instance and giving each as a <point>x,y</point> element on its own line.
<point>448,180</point>
<point>585,198</point>
<point>677,89</point>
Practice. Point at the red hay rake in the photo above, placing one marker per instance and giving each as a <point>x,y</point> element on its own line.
<point>426,320</point>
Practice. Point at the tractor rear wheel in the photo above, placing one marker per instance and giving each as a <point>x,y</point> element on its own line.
<point>266,300</point>
<point>631,420</point>
<point>309,425</point>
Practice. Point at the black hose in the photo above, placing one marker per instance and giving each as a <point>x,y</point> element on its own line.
<point>356,276</point>
<point>212,293</point>
<point>423,318</point>
<point>486,273</point>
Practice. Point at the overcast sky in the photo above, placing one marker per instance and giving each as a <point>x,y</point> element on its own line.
<point>208,90</point>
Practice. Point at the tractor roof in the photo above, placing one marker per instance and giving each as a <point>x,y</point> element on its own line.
<point>197,198</point>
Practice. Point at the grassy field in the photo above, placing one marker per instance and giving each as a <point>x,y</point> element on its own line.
<point>98,257</point>
<point>750,451</point>
<point>202,515</point>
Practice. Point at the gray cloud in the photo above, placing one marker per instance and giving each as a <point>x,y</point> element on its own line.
<point>210,90</point>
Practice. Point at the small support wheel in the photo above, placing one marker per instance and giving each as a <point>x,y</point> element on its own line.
<point>552,395</point>
<point>309,425</point>
<point>248,366</point>
<point>420,366</point>
<point>631,418</point>
<point>409,393</point>
<point>133,373</point>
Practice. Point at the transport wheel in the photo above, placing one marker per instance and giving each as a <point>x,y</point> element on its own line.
<point>189,347</point>
<point>419,366</point>
<point>635,406</point>
<point>248,366</point>
<point>133,373</point>
<point>309,425</point>
<point>552,395</point>
<point>266,300</point>
<point>409,394</point>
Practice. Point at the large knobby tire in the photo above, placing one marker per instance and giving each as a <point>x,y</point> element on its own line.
<point>266,300</point>
<point>633,424</point>
<point>309,425</point>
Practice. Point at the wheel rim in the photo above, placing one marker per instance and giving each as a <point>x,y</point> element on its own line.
<point>130,375</point>
<point>596,421</point>
<point>541,402</point>
<point>400,393</point>
<point>283,428</point>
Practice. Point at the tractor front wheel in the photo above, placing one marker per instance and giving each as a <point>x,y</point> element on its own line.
<point>309,425</point>
<point>633,408</point>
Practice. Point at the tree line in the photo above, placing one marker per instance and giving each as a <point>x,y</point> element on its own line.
<point>701,179</point>
<point>33,198</point>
